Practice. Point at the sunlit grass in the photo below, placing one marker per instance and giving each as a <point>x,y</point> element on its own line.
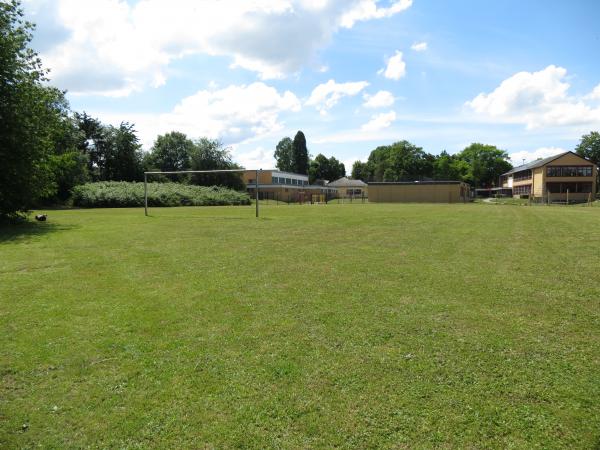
<point>352,325</point>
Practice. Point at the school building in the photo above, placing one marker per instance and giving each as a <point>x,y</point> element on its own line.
<point>559,178</point>
<point>285,186</point>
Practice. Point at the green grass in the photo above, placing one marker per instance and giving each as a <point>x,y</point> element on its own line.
<point>353,326</point>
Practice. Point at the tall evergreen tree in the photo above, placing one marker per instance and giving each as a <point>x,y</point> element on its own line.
<point>300,154</point>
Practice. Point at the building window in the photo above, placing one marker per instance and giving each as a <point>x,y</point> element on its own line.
<point>569,171</point>
<point>524,175</point>
<point>522,190</point>
<point>573,188</point>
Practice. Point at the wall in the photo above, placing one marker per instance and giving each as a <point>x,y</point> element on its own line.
<point>418,193</point>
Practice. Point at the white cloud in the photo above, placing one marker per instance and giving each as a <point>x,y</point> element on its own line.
<point>380,121</point>
<point>595,94</point>
<point>367,9</point>
<point>381,99</point>
<point>396,67</point>
<point>327,95</point>
<point>419,46</point>
<point>536,99</point>
<point>233,114</point>
<point>114,48</point>
<point>259,158</point>
<point>530,156</point>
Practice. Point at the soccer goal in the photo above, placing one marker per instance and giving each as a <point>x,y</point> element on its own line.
<point>177,172</point>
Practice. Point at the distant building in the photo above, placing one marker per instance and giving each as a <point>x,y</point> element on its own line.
<point>285,186</point>
<point>556,178</point>
<point>419,192</point>
<point>349,188</point>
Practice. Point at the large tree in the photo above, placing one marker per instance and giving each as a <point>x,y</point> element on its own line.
<point>485,164</point>
<point>284,155</point>
<point>589,147</point>
<point>323,168</point>
<point>30,112</point>
<point>300,154</point>
<point>171,152</point>
<point>209,154</point>
<point>360,171</point>
<point>123,154</point>
<point>401,161</point>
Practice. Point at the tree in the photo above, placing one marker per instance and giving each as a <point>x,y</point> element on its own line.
<point>210,154</point>
<point>322,168</point>
<point>448,167</point>
<point>284,155</point>
<point>92,143</point>
<point>122,160</point>
<point>171,152</point>
<point>30,112</point>
<point>299,154</point>
<point>485,164</point>
<point>398,162</point>
<point>360,171</point>
<point>589,148</point>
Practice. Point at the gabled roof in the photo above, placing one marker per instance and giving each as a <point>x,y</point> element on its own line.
<point>347,182</point>
<point>540,163</point>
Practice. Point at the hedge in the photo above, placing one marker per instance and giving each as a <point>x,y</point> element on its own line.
<point>122,194</point>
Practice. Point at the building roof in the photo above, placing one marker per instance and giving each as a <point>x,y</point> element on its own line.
<point>378,183</point>
<point>346,182</point>
<point>540,163</point>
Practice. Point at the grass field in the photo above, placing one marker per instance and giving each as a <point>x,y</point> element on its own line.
<point>353,326</point>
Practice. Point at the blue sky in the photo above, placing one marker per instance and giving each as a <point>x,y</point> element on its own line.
<point>351,74</point>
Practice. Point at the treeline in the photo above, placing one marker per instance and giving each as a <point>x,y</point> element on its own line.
<point>478,164</point>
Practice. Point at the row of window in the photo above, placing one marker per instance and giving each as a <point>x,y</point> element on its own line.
<point>290,181</point>
<point>572,188</point>
<point>520,176</point>
<point>522,190</point>
<point>569,171</point>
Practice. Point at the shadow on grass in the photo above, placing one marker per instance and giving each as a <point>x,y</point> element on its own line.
<point>22,231</point>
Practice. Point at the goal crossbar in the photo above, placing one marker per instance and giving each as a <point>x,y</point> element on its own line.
<point>172,172</point>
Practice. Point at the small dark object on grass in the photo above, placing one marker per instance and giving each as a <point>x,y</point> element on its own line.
<point>41,217</point>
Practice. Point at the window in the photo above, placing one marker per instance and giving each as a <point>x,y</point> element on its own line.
<point>569,171</point>
<point>522,190</point>
<point>573,188</point>
<point>288,181</point>
<point>524,175</point>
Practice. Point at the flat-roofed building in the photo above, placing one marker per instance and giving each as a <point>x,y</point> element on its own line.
<point>559,178</point>
<point>285,186</point>
<point>419,192</point>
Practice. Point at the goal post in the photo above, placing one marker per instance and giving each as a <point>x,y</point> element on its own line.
<point>176,172</point>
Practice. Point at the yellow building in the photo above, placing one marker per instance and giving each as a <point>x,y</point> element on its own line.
<point>285,187</point>
<point>419,192</point>
<point>349,188</point>
<point>559,178</point>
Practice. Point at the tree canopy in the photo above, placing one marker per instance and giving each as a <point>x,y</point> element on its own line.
<point>589,147</point>
<point>31,115</point>
<point>478,164</point>
<point>323,168</point>
<point>284,156</point>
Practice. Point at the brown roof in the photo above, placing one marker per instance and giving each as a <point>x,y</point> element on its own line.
<point>347,182</point>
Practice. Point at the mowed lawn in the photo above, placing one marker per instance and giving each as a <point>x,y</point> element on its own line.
<point>352,326</point>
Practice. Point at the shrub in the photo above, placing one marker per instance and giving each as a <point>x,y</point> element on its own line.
<point>122,194</point>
